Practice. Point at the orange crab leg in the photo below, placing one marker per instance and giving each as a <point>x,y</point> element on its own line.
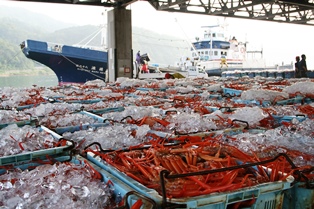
<point>137,204</point>
<point>19,143</point>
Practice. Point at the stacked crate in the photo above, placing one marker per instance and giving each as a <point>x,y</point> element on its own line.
<point>99,107</point>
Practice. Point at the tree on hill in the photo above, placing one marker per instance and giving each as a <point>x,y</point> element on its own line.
<point>12,58</point>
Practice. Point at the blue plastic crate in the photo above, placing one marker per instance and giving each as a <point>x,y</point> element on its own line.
<point>215,96</point>
<point>310,73</point>
<point>19,108</point>
<point>264,73</point>
<point>253,102</point>
<point>212,108</point>
<point>31,122</point>
<point>251,74</point>
<point>144,89</point>
<point>266,195</point>
<point>286,101</point>
<point>289,74</point>
<point>258,73</point>
<point>24,164</point>
<point>120,190</point>
<point>287,118</point>
<point>38,154</point>
<point>90,101</point>
<point>300,118</point>
<point>299,99</point>
<point>231,92</point>
<point>107,110</point>
<point>33,156</point>
<point>62,130</point>
<point>92,115</point>
<point>299,197</point>
<point>280,74</point>
<point>162,134</point>
<point>271,74</point>
<point>244,73</point>
<point>54,134</point>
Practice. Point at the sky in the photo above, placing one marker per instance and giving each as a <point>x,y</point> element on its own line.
<point>280,42</point>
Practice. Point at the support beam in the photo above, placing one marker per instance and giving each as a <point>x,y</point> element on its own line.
<point>283,11</point>
<point>120,56</point>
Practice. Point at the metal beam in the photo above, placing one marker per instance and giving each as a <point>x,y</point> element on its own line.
<point>284,11</point>
<point>289,11</point>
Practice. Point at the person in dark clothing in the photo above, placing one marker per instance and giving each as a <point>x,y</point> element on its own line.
<point>296,67</point>
<point>302,67</point>
<point>138,58</point>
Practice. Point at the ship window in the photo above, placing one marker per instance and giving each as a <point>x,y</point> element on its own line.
<point>224,46</point>
<point>221,35</point>
<point>211,53</point>
<point>206,52</point>
<point>215,53</point>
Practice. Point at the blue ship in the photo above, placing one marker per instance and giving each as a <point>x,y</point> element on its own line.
<point>71,64</point>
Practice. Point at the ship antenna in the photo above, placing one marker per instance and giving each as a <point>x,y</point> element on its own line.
<point>189,42</point>
<point>101,31</point>
<point>94,34</point>
<point>104,30</point>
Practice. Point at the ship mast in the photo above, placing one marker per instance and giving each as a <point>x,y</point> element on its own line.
<point>211,38</point>
<point>104,40</point>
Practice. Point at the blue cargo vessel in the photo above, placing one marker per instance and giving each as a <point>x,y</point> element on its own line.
<point>71,64</point>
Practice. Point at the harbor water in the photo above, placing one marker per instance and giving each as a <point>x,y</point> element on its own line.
<point>28,81</point>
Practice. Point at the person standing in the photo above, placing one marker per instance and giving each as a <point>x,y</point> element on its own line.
<point>145,67</point>
<point>138,58</point>
<point>296,67</point>
<point>223,61</point>
<point>302,67</point>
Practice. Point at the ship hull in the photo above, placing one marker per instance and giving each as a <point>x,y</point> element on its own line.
<point>214,72</point>
<point>70,64</point>
<point>219,71</point>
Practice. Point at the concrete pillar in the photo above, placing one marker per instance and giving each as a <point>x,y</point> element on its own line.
<point>120,56</point>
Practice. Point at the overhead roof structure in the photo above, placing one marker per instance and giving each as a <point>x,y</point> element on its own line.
<point>288,11</point>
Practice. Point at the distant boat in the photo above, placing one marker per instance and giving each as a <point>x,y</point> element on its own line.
<point>71,64</point>
<point>215,54</point>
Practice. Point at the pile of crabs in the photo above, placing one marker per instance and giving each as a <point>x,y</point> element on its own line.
<point>181,137</point>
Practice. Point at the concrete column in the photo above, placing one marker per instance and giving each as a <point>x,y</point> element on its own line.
<point>120,56</point>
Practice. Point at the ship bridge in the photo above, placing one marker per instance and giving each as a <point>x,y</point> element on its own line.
<point>120,54</point>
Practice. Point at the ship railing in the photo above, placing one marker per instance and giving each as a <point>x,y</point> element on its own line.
<point>54,47</point>
<point>97,48</point>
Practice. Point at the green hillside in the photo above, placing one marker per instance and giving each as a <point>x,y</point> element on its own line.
<point>15,28</point>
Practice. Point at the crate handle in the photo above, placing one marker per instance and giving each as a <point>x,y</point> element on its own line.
<point>128,194</point>
<point>166,174</point>
<point>242,121</point>
<point>228,109</point>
